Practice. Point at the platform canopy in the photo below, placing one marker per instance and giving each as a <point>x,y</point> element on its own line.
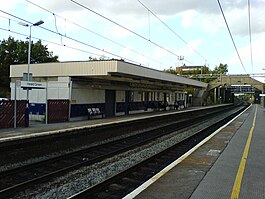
<point>107,70</point>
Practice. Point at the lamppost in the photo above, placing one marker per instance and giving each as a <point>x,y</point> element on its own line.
<point>29,50</point>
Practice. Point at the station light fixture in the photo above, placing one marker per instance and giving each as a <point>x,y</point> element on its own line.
<point>29,50</point>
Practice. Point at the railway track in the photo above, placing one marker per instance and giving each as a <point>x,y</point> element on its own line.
<point>19,152</point>
<point>15,153</point>
<point>29,176</point>
<point>125,182</point>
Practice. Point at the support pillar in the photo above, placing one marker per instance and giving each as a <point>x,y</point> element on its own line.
<point>165,102</point>
<point>146,100</point>
<point>214,95</point>
<point>127,102</point>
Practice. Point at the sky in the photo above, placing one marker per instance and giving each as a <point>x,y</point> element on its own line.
<point>152,33</point>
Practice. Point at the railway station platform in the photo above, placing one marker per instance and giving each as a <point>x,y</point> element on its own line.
<point>229,164</point>
<point>37,129</point>
<point>40,129</point>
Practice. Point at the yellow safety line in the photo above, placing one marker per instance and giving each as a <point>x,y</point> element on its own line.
<point>240,172</point>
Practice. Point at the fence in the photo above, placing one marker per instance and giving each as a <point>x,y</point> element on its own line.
<point>7,113</point>
<point>58,111</point>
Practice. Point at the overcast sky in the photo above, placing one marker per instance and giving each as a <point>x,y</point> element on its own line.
<point>198,31</point>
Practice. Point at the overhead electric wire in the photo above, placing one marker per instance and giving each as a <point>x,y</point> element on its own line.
<point>51,42</point>
<point>93,32</point>
<point>9,24</point>
<point>127,29</point>
<point>250,35</point>
<point>174,32</point>
<point>75,40</point>
<point>221,9</point>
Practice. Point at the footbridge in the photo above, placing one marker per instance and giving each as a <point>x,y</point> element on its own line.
<point>225,87</point>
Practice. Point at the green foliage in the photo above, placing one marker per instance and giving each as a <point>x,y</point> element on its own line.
<point>195,74</point>
<point>170,71</point>
<point>92,58</point>
<point>189,90</point>
<point>16,52</point>
<point>40,54</point>
<point>221,69</point>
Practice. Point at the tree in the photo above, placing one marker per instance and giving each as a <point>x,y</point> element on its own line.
<point>170,71</point>
<point>16,52</point>
<point>195,73</point>
<point>221,69</point>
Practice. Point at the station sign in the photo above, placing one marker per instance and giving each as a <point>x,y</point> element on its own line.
<point>32,85</point>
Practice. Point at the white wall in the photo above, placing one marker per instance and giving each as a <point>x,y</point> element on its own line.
<point>56,90</point>
<point>87,96</point>
<point>120,96</point>
<point>137,96</point>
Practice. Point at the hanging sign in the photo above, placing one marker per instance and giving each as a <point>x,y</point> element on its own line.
<point>32,85</point>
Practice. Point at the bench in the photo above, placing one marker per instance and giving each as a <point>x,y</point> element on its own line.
<point>94,112</point>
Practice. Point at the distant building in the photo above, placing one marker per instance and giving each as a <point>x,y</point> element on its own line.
<point>188,68</point>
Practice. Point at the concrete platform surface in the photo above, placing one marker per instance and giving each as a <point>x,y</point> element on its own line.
<point>40,129</point>
<point>230,165</point>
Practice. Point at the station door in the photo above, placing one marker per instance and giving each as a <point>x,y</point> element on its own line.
<point>110,96</point>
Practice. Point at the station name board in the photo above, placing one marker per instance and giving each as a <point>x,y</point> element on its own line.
<point>32,85</point>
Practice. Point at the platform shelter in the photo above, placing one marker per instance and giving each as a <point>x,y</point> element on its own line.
<point>115,87</point>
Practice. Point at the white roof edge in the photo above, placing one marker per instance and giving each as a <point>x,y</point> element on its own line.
<point>100,67</point>
<point>132,69</point>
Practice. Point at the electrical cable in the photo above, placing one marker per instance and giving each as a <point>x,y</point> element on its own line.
<point>110,20</point>
<point>95,33</point>
<point>51,42</point>
<point>221,9</point>
<point>250,35</point>
<point>55,23</point>
<point>75,40</point>
<point>10,19</point>
<point>174,32</point>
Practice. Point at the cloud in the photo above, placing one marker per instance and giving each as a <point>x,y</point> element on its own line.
<point>244,52</point>
<point>159,53</point>
<point>236,13</point>
<point>117,31</point>
<point>188,18</point>
<point>204,14</point>
<point>10,5</point>
<point>65,53</point>
<point>166,8</point>
<point>130,23</point>
<point>55,5</point>
<point>128,7</point>
<point>209,23</point>
<point>191,19</point>
<point>188,50</point>
<point>238,21</point>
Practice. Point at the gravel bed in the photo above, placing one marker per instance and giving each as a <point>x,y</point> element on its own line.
<point>85,177</point>
<point>9,166</point>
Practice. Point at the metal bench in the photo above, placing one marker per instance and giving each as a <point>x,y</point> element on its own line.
<point>94,112</point>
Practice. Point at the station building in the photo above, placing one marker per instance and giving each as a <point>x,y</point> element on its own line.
<point>115,87</point>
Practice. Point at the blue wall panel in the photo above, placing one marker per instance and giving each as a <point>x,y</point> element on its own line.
<point>37,108</point>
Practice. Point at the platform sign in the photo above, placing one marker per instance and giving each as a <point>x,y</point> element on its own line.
<point>28,85</point>
<point>32,85</point>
